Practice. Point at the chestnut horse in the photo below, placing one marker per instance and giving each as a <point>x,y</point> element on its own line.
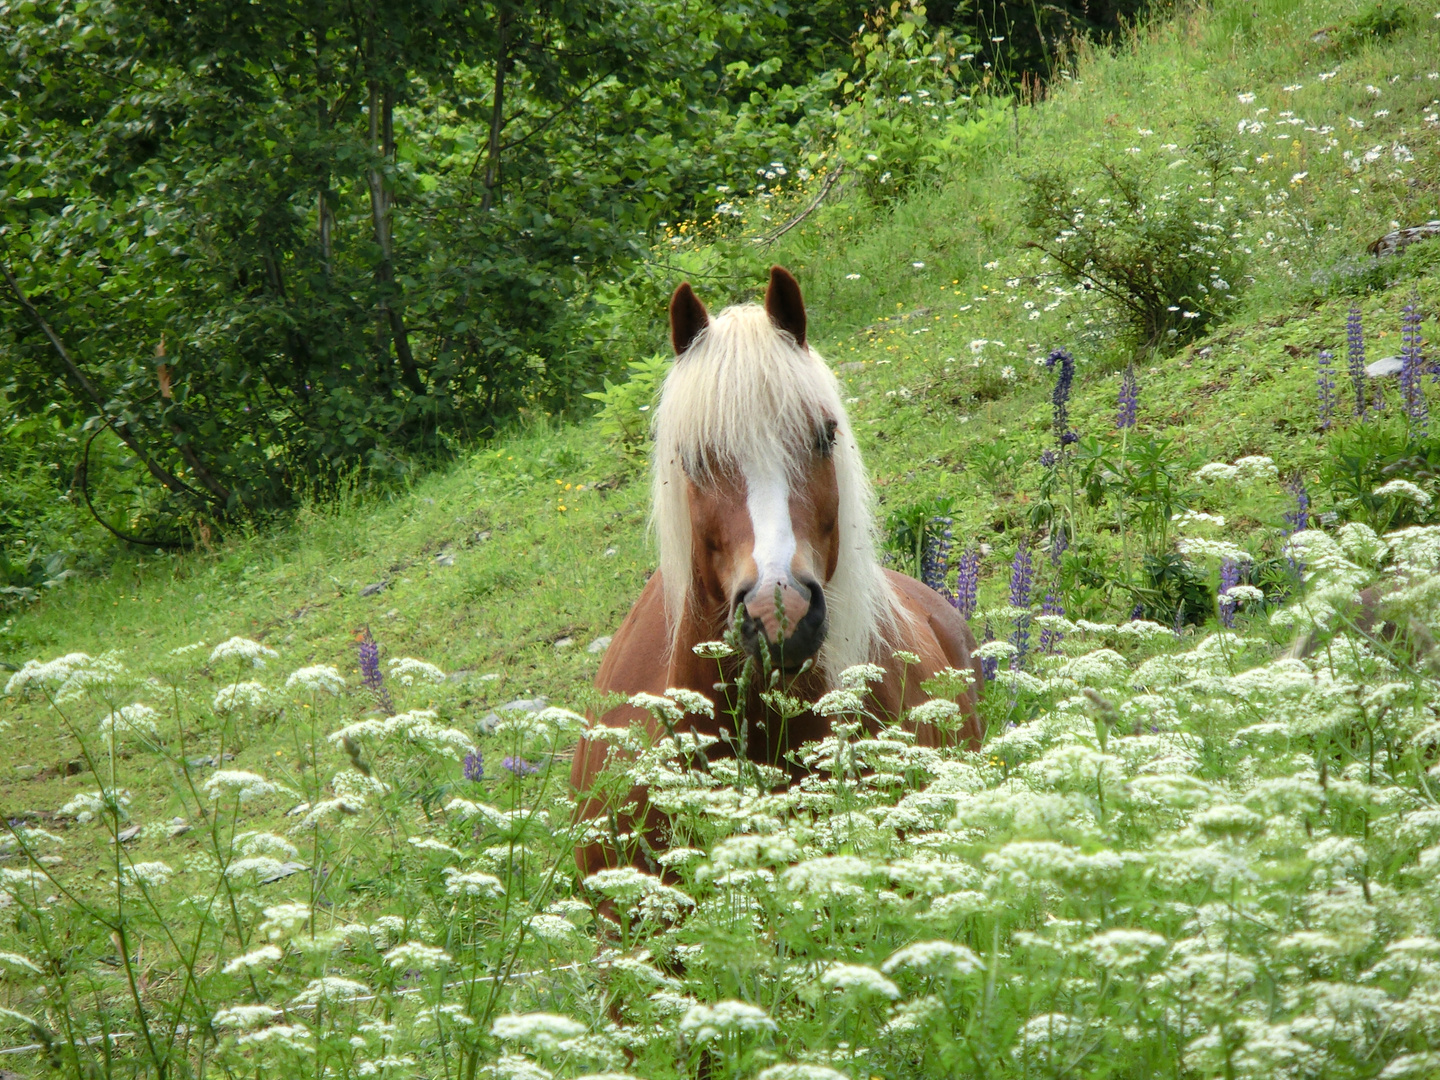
<point>764,517</point>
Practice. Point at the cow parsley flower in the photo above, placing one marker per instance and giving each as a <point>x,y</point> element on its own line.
<point>255,958</point>
<point>319,679</point>
<point>408,671</point>
<point>136,719</point>
<point>244,1017</point>
<point>471,883</point>
<point>243,651</point>
<point>241,695</point>
<point>702,1023</point>
<point>330,988</point>
<point>1404,489</point>
<point>800,1071</point>
<point>691,702</point>
<point>933,958</point>
<point>860,980</point>
<point>149,874</point>
<point>415,956</point>
<point>543,1031</point>
<point>242,785</point>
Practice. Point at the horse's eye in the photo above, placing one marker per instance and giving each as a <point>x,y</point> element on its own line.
<point>825,437</point>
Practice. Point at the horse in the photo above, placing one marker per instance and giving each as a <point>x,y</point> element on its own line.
<point>765,522</point>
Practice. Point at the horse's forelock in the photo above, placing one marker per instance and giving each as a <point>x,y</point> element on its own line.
<point>745,392</point>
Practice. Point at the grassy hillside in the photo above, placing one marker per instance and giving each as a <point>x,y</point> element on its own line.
<point>1310,128</point>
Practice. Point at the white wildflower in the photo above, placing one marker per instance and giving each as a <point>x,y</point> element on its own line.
<point>407,671</point>
<point>859,676</point>
<point>543,1031</point>
<point>136,719</point>
<point>244,1017</point>
<point>933,957</point>
<point>242,785</point>
<point>1404,489</point>
<point>243,651</point>
<point>691,702</point>
<point>149,874</point>
<point>241,695</point>
<point>702,1023</point>
<point>860,980</point>
<point>255,958</point>
<point>319,679</point>
<point>415,956</point>
<point>471,883</point>
<point>330,988</point>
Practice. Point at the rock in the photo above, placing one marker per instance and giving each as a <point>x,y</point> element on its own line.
<point>490,721</point>
<point>610,553</point>
<point>209,761</point>
<point>563,644</point>
<point>26,772</point>
<point>599,645</point>
<point>1392,243</point>
<point>1388,366</point>
<point>126,835</point>
<point>444,559</point>
<point>376,589</point>
<point>393,613</point>
<point>286,870</point>
<point>178,827</point>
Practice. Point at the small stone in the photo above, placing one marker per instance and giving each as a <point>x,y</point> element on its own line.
<point>374,590</point>
<point>610,553</point>
<point>286,870</point>
<point>393,613</point>
<point>564,643</point>
<point>481,536</point>
<point>25,772</point>
<point>126,835</point>
<point>444,559</point>
<point>1388,366</point>
<point>599,645</point>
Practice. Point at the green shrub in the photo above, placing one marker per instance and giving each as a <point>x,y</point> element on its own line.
<point>1153,241</point>
<point>625,407</point>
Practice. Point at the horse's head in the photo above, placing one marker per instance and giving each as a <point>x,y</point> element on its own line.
<point>759,467</point>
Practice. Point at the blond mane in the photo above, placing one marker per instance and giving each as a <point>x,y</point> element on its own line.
<point>744,391</point>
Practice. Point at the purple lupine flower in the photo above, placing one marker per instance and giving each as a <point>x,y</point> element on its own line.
<point>1412,388</point>
<point>1298,519</point>
<point>1022,579</point>
<point>473,767</point>
<point>1059,541</point>
<point>1229,578</point>
<point>1355,343</point>
<point>1050,639</point>
<point>1325,386</point>
<point>967,582</point>
<point>519,766</point>
<point>370,673</point>
<point>1049,459</point>
<point>1129,400</point>
<point>1060,398</point>
<point>1137,613</point>
<point>989,667</point>
<point>935,559</point>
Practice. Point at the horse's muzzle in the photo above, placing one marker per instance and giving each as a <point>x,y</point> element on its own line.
<point>765,622</point>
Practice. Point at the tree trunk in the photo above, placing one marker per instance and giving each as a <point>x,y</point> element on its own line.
<point>382,139</point>
<point>89,390</point>
<point>497,114</point>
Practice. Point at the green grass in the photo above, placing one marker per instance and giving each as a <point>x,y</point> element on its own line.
<point>542,536</point>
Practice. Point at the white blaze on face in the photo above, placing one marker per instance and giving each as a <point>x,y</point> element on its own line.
<point>767,497</point>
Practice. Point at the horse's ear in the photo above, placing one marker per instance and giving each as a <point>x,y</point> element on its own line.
<point>784,304</point>
<point>687,318</point>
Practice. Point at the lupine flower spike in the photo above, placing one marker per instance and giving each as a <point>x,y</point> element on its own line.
<point>1229,578</point>
<point>1355,345</point>
<point>1060,398</point>
<point>1412,387</point>
<point>1129,400</point>
<point>935,561</point>
<point>370,672</point>
<point>1022,578</point>
<point>967,582</point>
